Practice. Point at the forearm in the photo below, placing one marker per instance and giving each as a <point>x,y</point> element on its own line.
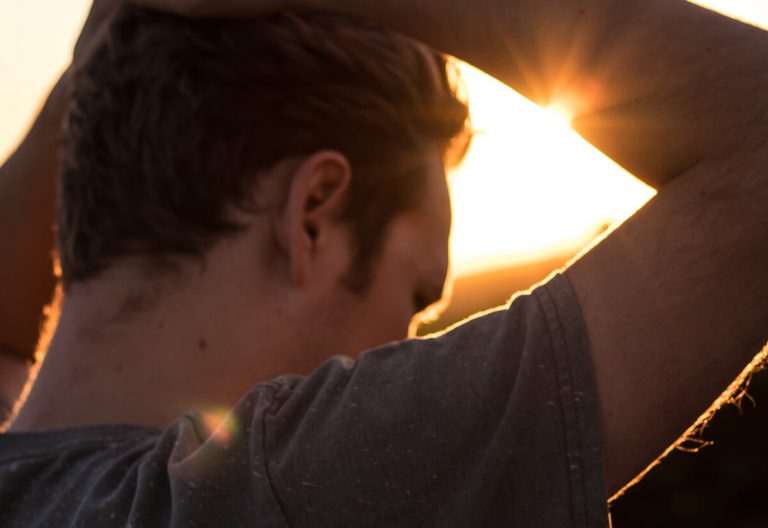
<point>657,85</point>
<point>27,205</point>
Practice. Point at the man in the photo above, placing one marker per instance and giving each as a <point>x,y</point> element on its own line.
<point>500,421</point>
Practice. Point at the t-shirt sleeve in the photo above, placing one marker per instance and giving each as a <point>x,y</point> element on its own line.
<point>494,423</point>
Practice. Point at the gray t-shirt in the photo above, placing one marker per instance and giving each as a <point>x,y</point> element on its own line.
<point>494,423</point>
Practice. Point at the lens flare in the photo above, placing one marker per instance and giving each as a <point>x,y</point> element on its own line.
<point>221,425</point>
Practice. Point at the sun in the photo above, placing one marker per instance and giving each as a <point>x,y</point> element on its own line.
<point>530,186</point>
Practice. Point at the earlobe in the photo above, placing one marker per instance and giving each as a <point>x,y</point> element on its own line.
<point>316,200</point>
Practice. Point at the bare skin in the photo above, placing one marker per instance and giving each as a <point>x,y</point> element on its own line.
<point>675,301</point>
<point>27,202</point>
<point>27,199</point>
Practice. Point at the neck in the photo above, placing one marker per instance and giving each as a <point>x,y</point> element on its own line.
<point>129,352</point>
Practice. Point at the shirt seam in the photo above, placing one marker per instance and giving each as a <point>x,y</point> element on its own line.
<point>572,425</point>
<point>274,390</point>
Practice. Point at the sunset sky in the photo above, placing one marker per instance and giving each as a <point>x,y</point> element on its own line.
<point>514,198</point>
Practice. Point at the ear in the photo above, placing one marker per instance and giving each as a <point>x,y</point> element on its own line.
<point>312,233</point>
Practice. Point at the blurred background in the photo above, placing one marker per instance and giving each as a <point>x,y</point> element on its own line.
<point>520,212</point>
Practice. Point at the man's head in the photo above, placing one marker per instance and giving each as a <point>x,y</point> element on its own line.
<point>326,136</point>
<point>175,121</point>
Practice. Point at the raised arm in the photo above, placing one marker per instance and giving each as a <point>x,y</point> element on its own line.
<point>27,206</point>
<point>676,300</point>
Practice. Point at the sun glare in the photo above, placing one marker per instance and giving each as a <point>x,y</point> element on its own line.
<point>558,114</point>
<point>530,186</point>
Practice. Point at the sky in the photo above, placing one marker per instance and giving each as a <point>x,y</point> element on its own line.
<point>513,199</point>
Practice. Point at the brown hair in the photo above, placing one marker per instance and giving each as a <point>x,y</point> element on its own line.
<point>173,120</point>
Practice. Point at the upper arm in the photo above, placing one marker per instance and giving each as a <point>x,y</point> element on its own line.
<point>676,303</point>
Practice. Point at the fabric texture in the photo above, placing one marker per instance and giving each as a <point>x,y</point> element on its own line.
<point>493,423</point>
